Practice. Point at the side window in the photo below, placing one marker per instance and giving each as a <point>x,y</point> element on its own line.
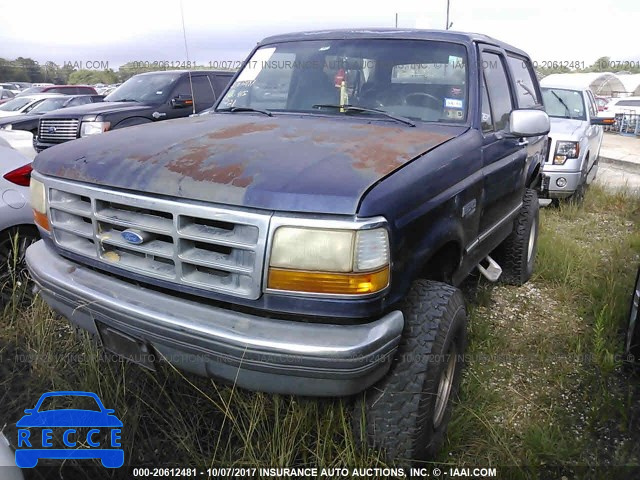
<point>85,90</point>
<point>487,119</point>
<point>203,94</point>
<point>79,101</point>
<point>523,77</point>
<point>498,88</point>
<point>182,87</point>
<point>220,82</point>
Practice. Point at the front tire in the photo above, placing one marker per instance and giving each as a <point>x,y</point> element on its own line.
<point>632,339</point>
<point>517,254</point>
<point>407,412</point>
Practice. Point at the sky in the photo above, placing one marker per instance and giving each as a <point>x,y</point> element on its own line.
<point>117,31</point>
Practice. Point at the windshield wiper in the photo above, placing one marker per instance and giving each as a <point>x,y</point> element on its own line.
<point>245,109</point>
<point>126,100</point>
<point>563,104</point>
<point>356,108</point>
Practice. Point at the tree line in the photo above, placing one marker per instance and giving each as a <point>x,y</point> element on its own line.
<point>24,69</point>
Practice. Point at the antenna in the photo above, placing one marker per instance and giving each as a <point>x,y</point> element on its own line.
<point>448,25</point>
<point>186,49</point>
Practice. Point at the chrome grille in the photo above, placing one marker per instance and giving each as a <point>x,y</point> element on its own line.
<point>58,130</point>
<point>210,248</point>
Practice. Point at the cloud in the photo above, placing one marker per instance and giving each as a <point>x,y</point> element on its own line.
<point>123,30</point>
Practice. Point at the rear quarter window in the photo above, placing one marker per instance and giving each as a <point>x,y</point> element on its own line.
<point>523,77</point>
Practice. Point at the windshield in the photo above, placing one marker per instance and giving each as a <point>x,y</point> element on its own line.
<point>562,103</point>
<point>31,90</point>
<point>416,79</point>
<point>15,104</point>
<point>48,105</point>
<point>145,88</point>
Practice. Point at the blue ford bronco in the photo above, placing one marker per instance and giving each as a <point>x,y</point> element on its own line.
<point>307,235</point>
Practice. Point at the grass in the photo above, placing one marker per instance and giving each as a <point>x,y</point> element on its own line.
<point>543,387</point>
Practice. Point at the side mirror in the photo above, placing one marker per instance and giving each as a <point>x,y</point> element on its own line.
<point>182,101</point>
<point>528,123</point>
<point>602,120</point>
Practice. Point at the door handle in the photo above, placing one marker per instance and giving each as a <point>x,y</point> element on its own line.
<point>523,142</point>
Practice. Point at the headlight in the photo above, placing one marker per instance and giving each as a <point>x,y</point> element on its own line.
<point>93,128</point>
<point>329,261</point>
<point>565,151</point>
<point>6,127</point>
<point>39,203</point>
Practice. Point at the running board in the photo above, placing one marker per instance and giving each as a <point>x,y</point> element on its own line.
<point>491,272</point>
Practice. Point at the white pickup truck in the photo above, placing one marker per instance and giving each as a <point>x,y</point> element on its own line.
<point>574,141</point>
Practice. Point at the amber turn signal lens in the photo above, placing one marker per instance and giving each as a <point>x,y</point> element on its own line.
<point>41,220</point>
<point>335,283</point>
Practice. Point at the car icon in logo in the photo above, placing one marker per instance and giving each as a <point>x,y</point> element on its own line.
<point>65,433</point>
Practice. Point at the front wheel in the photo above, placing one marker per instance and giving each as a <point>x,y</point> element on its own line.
<point>517,254</point>
<point>407,412</point>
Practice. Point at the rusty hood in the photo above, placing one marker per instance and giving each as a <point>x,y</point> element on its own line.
<point>284,162</point>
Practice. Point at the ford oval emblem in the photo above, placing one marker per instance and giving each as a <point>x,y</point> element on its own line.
<point>51,130</point>
<point>133,236</point>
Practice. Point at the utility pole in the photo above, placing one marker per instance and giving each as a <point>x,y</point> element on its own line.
<point>396,20</point>
<point>447,27</point>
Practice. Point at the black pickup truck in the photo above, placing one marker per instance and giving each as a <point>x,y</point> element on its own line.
<point>144,98</point>
<point>309,234</point>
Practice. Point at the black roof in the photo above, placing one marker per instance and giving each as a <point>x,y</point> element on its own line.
<point>393,33</point>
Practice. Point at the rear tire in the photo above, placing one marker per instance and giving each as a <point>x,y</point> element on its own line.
<point>517,254</point>
<point>632,339</point>
<point>407,412</point>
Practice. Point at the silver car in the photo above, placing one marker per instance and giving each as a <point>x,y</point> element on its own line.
<point>17,230</point>
<point>575,139</point>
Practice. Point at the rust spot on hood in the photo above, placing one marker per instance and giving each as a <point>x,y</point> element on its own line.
<point>224,174</point>
<point>242,129</point>
<point>384,151</point>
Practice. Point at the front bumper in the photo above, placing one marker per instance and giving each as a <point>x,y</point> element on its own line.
<point>554,191</point>
<point>39,146</point>
<point>254,352</point>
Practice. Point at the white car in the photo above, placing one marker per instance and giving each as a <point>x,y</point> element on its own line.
<point>19,105</point>
<point>620,106</point>
<point>19,140</point>
<point>7,461</point>
<point>12,87</point>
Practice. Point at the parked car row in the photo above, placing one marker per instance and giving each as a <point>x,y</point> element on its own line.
<point>57,114</point>
<point>29,120</point>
